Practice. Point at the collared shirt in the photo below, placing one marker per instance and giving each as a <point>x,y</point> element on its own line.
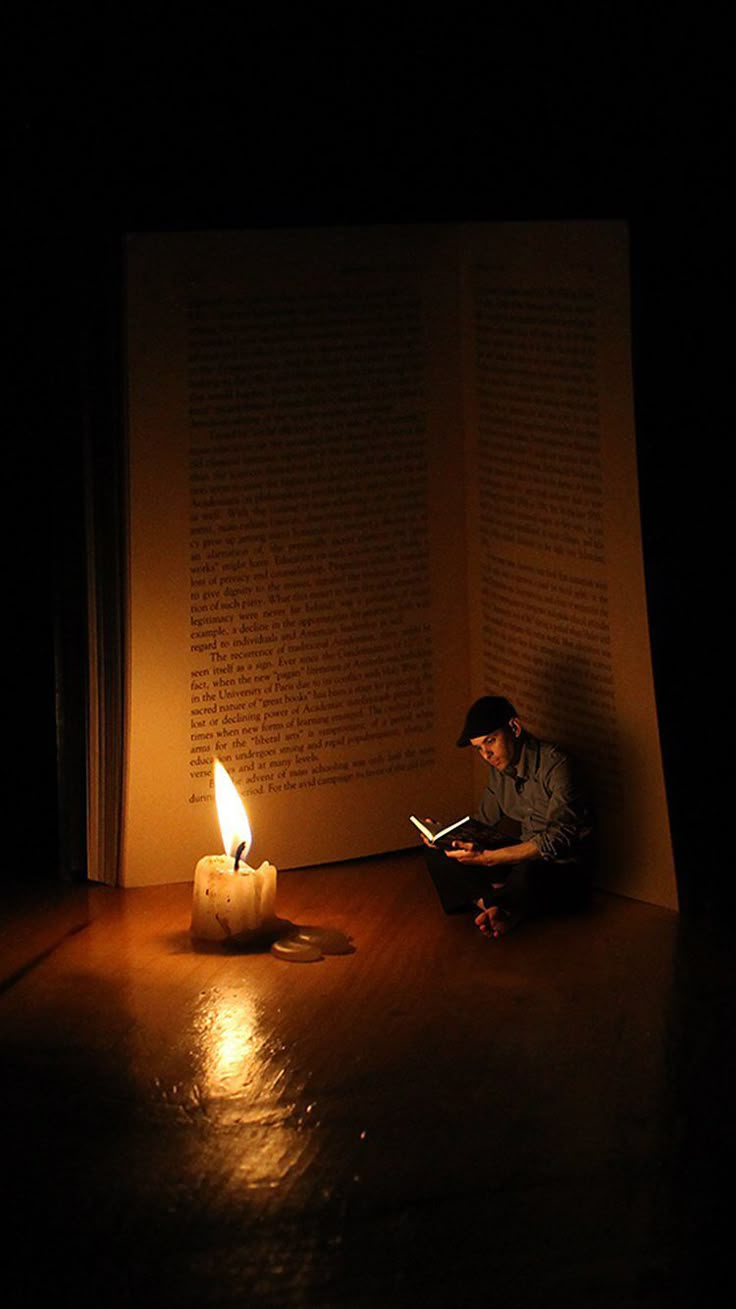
<point>540,790</point>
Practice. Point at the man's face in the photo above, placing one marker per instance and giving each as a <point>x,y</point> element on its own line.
<point>497,748</point>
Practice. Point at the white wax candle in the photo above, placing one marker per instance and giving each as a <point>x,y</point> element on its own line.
<point>228,904</point>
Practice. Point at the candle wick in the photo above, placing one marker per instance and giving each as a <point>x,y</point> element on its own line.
<point>238,853</point>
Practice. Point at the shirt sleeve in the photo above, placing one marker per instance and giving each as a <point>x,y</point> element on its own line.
<point>489,811</point>
<point>568,826</point>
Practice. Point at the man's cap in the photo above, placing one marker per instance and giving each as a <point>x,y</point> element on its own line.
<point>486,715</point>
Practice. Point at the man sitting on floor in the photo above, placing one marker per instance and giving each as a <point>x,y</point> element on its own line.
<point>538,856</point>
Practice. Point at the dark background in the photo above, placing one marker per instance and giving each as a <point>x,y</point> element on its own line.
<point>126,127</point>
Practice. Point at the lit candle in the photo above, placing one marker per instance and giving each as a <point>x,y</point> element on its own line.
<point>232,901</point>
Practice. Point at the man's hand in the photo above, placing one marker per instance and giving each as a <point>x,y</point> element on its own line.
<point>506,854</point>
<point>428,822</point>
<point>467,853</point>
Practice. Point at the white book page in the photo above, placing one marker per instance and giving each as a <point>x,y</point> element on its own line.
<point>559,621</point>
<point>297,543</point>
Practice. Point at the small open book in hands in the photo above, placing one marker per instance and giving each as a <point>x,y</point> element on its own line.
<point>464,829</point>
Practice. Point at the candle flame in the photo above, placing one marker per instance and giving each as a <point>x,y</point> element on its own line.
<point>231,813</point>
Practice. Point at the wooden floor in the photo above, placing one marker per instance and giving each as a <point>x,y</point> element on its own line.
<point>432,1119</point>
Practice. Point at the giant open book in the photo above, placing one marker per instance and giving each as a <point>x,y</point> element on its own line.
<point>373,474</point>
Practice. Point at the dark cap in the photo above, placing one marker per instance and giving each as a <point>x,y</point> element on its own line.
<point>486,715</point>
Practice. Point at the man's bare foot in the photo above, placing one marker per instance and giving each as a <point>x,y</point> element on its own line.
<point>495,921</point>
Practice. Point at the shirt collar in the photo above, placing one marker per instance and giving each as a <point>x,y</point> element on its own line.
<point>522,766</point>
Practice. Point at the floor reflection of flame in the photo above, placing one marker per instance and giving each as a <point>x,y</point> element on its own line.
<point>243,1085</point>
<point>227,1048</point>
